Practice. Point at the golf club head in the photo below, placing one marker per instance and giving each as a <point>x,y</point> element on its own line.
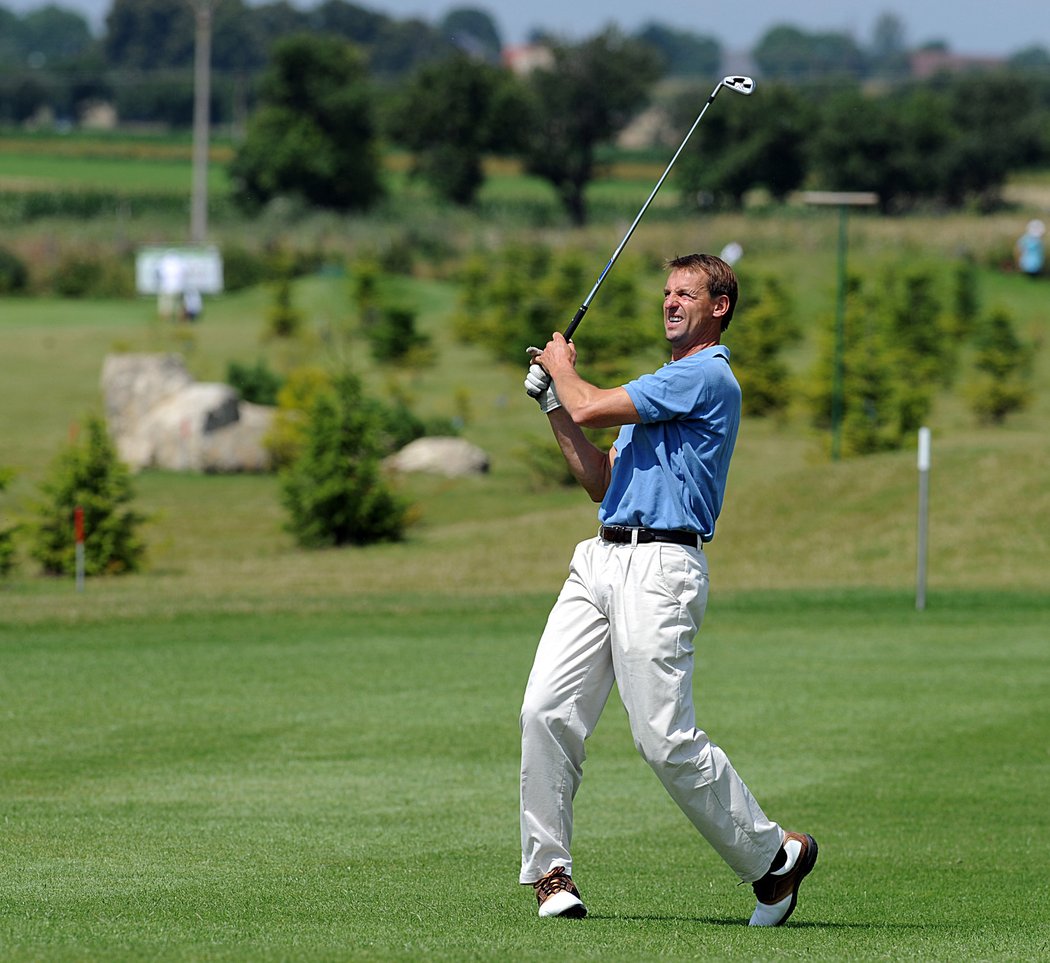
<point>742,85</point>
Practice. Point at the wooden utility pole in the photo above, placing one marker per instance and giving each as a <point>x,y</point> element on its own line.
<point>201,120</point>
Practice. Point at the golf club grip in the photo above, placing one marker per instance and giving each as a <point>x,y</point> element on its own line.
<point>575,322</point>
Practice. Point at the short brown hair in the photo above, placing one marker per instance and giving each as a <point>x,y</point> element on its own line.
<point>720,277</point>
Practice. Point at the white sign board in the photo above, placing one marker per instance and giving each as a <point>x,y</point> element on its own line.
<point>200,268</point>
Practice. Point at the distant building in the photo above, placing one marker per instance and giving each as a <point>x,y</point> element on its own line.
<point>98,115</point>
<point>525,58</point>
<point>926,63</point>
<point>651,128</point>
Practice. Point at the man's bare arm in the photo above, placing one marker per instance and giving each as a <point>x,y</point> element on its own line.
<point>589,465</point>
<point>589,405</point>
<point>594,407</point>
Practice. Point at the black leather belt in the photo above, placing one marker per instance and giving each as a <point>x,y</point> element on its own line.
<point>639,536</point>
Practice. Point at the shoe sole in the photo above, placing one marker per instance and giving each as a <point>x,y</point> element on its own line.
<point>804,870</point>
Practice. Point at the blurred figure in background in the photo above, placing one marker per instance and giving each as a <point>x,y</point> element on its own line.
<point>192,304</point>
<point>171,279</point>
<point>1030,252</point>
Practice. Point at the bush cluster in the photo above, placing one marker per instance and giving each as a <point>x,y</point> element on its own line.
<point>7,533</point>
<point>516,297</point>
<point>14,275</point>
<point>75,273</point>
<point>904,332</point>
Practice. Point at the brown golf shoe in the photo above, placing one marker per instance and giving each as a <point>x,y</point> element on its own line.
<point>558,896</point>
<point>778,893</point>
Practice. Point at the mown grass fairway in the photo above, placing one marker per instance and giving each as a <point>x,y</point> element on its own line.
<point>337,780</point>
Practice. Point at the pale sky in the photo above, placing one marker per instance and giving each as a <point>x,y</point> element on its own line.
<point>968,26</point>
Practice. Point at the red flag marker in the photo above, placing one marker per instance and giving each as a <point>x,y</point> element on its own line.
<point>78,529</point>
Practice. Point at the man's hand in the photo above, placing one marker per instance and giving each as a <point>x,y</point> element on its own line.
<point>538,384</point>
<point>558,356</point>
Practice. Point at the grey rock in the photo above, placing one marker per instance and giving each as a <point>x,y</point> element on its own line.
<point>450,457</point>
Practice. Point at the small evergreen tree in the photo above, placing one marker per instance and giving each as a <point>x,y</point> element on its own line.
<point>1002,369</point>
<point>517,297</point>
<point>334,490</point>
<point>88,473</point>
<point>283,319</point>
<point>7,545</point>
<point>257,384</point>
<point>364,288</point>
<point>918,324</point>
<point>762,326</point>
<point>284,441</point>
<point>882,401</point>
<point>966,299</point>
<point>393,337</point>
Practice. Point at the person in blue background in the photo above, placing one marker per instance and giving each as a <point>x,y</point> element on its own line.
<point>1030,253</point>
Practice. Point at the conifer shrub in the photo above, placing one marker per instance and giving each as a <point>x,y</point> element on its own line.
<point>88,473</point>
<point>336,491</point>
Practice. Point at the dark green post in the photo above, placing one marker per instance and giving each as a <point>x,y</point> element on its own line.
<point>840,337</point>
<point>843,200</point>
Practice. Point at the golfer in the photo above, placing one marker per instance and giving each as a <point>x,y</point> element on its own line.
<point>635,597</point>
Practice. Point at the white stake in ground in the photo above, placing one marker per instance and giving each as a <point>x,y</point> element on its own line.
<point>924,512</point>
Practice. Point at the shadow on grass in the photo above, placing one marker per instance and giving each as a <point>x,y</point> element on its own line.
<point>742,922</point>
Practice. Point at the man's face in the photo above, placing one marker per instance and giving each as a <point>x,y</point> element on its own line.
<point>692,319</point>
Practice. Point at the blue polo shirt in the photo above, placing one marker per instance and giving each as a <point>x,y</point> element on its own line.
<point>670,470</point>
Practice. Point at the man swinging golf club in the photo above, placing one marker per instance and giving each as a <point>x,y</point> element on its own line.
<point>635,597</point>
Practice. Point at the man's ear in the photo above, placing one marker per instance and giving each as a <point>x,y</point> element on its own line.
<point>721,307</point>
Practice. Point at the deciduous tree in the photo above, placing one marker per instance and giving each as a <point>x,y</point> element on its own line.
<point>451,114</point>
<point>682,52</point>
<point>579,103</point>
<point>754,142</point>
<point>314,135</point>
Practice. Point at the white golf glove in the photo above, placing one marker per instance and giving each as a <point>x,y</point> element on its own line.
<point>538,385</point>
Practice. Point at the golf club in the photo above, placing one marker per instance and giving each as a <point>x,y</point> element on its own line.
<point>742,85</point>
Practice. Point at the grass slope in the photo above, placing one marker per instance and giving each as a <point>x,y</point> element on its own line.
<point>792,519</point>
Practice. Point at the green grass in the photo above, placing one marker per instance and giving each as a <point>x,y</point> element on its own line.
<point>337,780</point>
<point>32,172</point>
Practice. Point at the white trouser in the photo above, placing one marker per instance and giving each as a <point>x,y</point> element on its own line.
<point>629,613</point>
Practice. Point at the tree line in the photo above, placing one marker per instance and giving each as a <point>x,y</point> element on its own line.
<point>948,142</point>
<point>324,92</point>
<point>142,60</point>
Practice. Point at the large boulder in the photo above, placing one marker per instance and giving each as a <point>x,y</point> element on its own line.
<point>159,417</point>
<point>133,384</point>
<point>238,446</point>
<point>451,457</point>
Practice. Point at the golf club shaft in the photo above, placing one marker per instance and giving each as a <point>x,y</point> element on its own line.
<point>582,310</point>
